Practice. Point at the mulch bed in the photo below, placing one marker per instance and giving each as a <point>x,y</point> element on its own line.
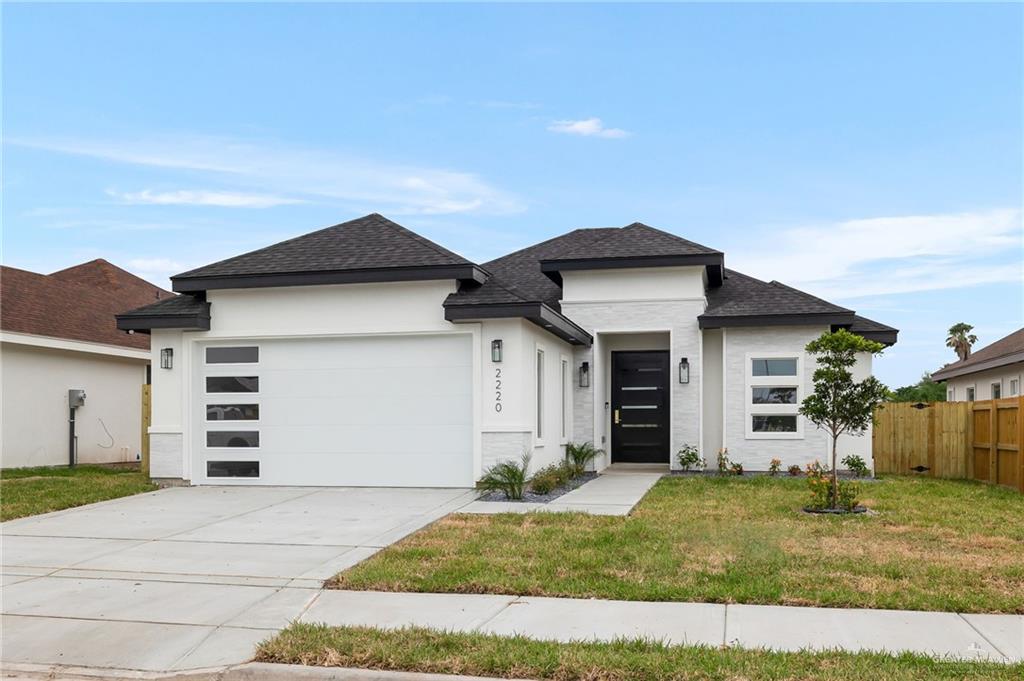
<point>534,498</point>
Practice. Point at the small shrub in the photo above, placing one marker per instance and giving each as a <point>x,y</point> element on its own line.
<point>775,466</point>
<point>508,477</point>
<point>545,480</point>
<point>819,482</point>
<point>578,455</point>
<point>689,457</point>
<point>724,465</point>
<point>794,470</point>
<point>856,465</point>
<point>736,468</point>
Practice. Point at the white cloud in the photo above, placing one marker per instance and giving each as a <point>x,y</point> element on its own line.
<point>187,197</point>
<point>588,127</point>
<point>889,255</point>
<point>305,174</point>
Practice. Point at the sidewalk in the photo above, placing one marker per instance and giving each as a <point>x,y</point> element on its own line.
<point>997,638</point>
<point>615,492</point>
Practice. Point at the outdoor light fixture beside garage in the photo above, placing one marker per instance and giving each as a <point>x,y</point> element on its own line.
<point>585,375</point>
<point>496,350</point>
<point>167,358</point>
<point>684,370</point>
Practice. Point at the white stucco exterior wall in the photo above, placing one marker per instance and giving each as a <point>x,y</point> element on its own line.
<point>712,394</point>
<point>280,313</point>
<point>35,383</point>
<point>982,382</point>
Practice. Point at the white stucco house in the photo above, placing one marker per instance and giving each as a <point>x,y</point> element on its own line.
<point>364,354</point>
<point>992,372</point>
<point>58,333</point>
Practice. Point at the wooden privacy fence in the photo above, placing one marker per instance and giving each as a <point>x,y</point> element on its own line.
<point>965,440</point>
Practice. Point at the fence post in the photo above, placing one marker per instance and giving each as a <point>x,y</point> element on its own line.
<point>932,437</point>
<point>147,417</point>
<point>1020,443</point>
<point>993,445</point>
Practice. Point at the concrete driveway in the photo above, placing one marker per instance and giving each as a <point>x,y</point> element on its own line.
<point>192,577</point>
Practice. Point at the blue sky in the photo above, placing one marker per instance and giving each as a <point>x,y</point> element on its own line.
<point>871,154</point>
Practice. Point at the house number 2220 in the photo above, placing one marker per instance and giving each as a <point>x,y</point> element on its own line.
<point>497,390</point>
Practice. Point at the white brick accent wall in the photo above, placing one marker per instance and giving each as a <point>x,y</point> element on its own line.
<point>165,455</point>
<point>509,446</point>
<point>679,319</point>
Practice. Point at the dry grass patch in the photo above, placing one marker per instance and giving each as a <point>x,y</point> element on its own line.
<point>933,545</point>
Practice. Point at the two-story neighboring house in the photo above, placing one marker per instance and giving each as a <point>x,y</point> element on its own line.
<point>364,354</point>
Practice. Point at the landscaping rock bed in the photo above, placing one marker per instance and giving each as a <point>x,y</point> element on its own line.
<point>534,498</point>
<point>835,511</point>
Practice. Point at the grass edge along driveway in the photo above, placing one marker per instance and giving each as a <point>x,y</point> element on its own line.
<point>424,650</point>
<point>32,491</point>
<point>932,545</point>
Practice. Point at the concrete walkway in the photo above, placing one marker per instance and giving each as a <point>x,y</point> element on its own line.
<point>615,492</point>
<point>967,637</point>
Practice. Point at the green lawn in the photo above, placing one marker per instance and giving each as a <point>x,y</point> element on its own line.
<point>422,650</point>
<point>933,545</point>
<point>31,491</point>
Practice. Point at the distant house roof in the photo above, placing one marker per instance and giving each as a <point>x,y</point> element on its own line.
<point>78,303</point>
<point>367,249</point>
<point>1007,350</point>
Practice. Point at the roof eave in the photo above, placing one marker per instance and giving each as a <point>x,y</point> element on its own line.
<point>194,284</point>
<point>539,313</point>
<point>713,262</point>
<point>145,323</point>
<point>994,363</point>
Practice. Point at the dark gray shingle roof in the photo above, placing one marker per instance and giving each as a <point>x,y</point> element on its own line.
<point>183,305</point>
<point>741,295</point>
<point>517,277</point>
<point>369,242</point>
<point>634,241</point>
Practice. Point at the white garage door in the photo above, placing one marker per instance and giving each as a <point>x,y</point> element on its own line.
<point>374,411</point>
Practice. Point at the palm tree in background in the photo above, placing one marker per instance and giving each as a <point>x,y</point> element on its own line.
<point>961,339</point>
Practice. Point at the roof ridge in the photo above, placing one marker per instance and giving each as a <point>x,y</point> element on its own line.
<point>547,241</point>
<point>670,235</point>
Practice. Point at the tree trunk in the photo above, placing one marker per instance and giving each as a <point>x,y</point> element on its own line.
<point>835,474</point>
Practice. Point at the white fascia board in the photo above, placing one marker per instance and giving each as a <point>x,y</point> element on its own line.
<point>73,345</point>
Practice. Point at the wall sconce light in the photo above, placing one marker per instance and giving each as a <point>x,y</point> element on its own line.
<point>684,370</point>
<point>167,358</point>
<point>496,350</point>
<point>585,375</point>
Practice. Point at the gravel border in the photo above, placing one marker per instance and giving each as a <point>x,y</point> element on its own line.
<point>534,498</point>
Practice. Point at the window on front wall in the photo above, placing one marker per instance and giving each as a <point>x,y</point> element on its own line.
<point>540,394</point>
<point>950,394</point>
<point>773,366</point>
<point>773,397</point>
<point>1014,387</point>
<point>970,394</point>
<point>997,391</point>
<point>565,398</point>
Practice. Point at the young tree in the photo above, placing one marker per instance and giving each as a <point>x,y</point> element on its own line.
<point>961,339</point>
<point>839,404</point>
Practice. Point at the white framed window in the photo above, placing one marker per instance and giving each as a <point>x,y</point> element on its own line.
<point>1014,387</point>
<point>540,394</point>
<point>997,390</point>
<point>565,398</point>
<point>773,392</point>
<point>969,393</point>
<point>950,394</point>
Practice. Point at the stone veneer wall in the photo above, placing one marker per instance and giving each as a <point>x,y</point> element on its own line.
<point>165,455</point>
<point>505,446</point>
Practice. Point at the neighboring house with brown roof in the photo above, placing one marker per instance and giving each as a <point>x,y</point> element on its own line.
<point>58,332</point>
<point>364,354</point>
<point>994,371</point>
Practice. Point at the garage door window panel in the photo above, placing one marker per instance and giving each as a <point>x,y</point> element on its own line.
<point>232,412</point>
<point>232,384</point>
<point>249,439</point>
<point>232,469</point>
<point>249,354</point>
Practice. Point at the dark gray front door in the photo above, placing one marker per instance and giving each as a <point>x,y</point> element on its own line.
<point>640,404</point>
